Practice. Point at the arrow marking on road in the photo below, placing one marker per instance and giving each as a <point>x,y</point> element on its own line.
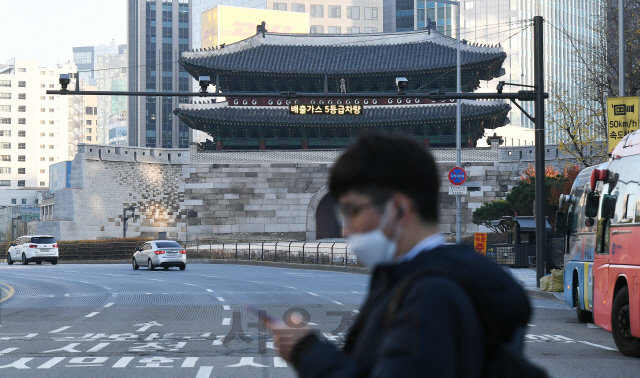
<point>146,326</point>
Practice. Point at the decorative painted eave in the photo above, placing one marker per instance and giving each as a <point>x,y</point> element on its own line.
<point>202,117</point>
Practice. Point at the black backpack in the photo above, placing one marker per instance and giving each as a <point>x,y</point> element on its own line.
<point>502,359</point>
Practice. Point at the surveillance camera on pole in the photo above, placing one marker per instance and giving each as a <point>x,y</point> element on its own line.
<point>204,82</point>
<point>401,83</point>
<point>65,79</point>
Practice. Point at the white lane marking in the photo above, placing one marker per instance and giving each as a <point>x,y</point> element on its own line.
<point>226,321</point>
<point>218,340</point>
<point>190,362</point>
<point>97,347</point>
<point>67,295</point>
<point>148,293</point>
<point>155,279</point>
<point>220,299</point>
<point>190,284</point>
<point>123,362</point>
<point>290,287</point>
<point>60,329</point>
<point>338,303</point>
<point>596,345</point>
<point>8,350</point>
<point>279,362</point>
<point>226,307</point>
<point>314,294</point>
<point>209,290</point>
<point>530,325</point>
<point>591,325</point>
<point>91,315</point>
<point>52,362</point>
<point>310,323</point>
<point>109,304</point>
<point>256,282</point>
<point>210,276</point>
<point>114,294</point>
<point>85,282</point>
<point>204,372</point>
<point>114,275</point>
<point>355,292</point>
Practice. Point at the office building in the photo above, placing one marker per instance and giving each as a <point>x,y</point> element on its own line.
<point>86,59</point>
<point>325,16</point>
<point>509,23</point>
<point>158,32</point>
<point>34,126</point>
<point>112,125</point>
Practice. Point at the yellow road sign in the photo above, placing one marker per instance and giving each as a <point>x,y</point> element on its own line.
<point>623,115</point>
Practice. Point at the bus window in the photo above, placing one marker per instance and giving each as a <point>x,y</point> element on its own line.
<point>602,237</point>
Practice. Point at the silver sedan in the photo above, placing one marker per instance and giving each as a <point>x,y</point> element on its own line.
<point>160,253</point>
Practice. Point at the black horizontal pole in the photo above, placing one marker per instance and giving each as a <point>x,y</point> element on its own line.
<point>521,95</point>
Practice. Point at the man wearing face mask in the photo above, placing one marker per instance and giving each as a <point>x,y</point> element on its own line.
<point>388,192</point>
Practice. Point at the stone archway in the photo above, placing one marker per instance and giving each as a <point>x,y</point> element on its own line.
<point>321,220</point>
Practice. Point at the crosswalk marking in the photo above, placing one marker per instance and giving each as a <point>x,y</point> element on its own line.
<point>109,304</point>
<point>204,372</point>
<point>209,290</point>
<point>226,321</point>
<point>226,307</point>
<point>189,362</point>
<point>91,315</point>
<point>220,299</point>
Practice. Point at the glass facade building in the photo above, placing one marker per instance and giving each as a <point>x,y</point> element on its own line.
<point>159,32</point>
<point>509,23</point>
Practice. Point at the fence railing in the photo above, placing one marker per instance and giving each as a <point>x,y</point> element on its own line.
<point>324,253</point>
<point>520,256</point>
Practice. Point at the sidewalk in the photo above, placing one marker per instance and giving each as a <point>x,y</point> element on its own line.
<point>527,278</point>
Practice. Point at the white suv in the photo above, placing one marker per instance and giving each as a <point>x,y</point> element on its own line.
<point>36,248</point>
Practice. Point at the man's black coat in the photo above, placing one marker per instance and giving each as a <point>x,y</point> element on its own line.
<point>436,331</point>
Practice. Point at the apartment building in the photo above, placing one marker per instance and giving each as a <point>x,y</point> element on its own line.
<point>33,125</point>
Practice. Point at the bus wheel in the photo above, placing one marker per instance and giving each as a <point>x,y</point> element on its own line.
<point>621,325</point>
<point>584,316</point>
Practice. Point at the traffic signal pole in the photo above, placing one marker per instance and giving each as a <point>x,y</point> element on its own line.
<point>541,199</point>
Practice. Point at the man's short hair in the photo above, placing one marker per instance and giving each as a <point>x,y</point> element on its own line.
<point>380,165</point>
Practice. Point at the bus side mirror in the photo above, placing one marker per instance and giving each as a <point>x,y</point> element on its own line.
<point>591,207</point>
<point>608,205</point>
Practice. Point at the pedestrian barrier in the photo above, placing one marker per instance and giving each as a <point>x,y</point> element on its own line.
<point>524,256</point>
<point>317,252</point>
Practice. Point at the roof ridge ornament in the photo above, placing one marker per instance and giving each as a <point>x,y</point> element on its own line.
<point>261,28</point>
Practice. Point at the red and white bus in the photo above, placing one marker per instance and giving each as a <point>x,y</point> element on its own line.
<point>615,211</point>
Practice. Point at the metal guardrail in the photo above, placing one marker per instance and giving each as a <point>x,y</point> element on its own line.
<point>523,256</point>
<point>325,253</point>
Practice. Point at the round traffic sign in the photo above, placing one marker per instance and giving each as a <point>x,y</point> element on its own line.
<point>457,176</point>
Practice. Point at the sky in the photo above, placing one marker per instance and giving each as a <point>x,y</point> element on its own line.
<point>47,30</point>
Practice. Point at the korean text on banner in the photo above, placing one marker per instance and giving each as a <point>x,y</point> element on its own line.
<point>480,243</point>
<point>623,116</point>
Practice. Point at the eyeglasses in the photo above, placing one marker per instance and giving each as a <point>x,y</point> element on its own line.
<point>345,213</point>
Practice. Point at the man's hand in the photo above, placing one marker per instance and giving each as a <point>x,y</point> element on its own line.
<point>286,337</point>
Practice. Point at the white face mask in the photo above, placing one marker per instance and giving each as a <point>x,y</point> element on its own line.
<point>374,247</point>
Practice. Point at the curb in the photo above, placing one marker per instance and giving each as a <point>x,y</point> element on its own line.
<point>334,268</point>
<point>535,293</point>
